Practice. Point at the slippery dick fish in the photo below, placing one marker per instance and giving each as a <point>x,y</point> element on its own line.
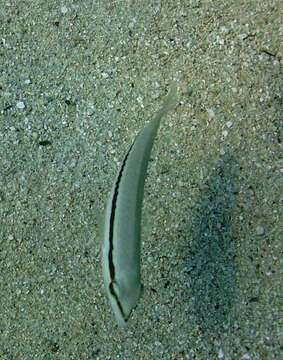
<point>122,222</point>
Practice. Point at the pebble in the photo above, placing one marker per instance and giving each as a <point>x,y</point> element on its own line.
<point>246,357</point>
<point>225,133</point>
<point>220,354</point>
<point>34,135</point>
<point>211,114</point>
<point>189,90</point>
<point>64,10</point>
<point>243,36</point>
<point>20,105</point>
<point>260,230</point>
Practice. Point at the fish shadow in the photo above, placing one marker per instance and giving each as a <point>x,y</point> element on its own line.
<point>212,268</point>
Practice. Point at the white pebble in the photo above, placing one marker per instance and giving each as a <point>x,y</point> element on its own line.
<point>105,75</point>
<point>18,292</point>
<point>64,10</point>
<point>211,114</point>
<point>246,357</point>
<point>20,105</point>
<point>220,354</point>
<point>224,29</point>
<point>224,133</point>
<point>243,36</point>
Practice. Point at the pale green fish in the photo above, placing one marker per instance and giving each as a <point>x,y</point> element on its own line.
<point>122,223</point>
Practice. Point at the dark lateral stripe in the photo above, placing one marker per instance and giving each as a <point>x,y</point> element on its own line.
<point>112,218</point>
<point>111,288</point>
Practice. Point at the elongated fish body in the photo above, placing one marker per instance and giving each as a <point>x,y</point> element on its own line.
<point>122,224</point>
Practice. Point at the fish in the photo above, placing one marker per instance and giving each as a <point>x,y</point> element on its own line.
<point>121,234</point>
